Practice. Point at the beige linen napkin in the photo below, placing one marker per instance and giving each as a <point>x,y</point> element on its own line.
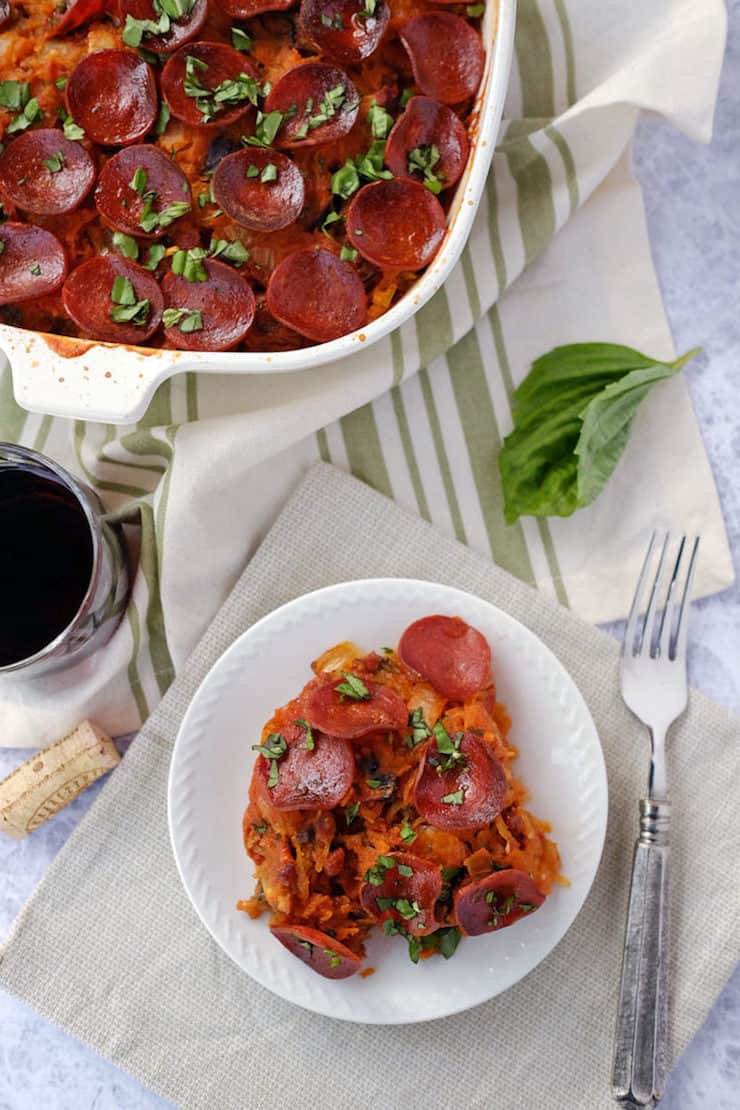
<point>110,948</point>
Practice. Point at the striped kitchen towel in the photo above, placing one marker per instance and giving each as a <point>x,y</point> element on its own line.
<point>558,254</point>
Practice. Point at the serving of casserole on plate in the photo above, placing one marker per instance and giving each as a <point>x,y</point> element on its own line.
<point>463,837</point>
<point>236,186</point>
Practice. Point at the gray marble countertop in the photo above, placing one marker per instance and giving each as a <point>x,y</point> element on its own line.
<point>692,196</point>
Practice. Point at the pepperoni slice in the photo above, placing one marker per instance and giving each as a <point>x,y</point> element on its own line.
<point>406,894</point>
<point>454,657</point>
<point>322,953</point>
<point>437,136</point>
<point>397,225</point>
<point>467,796</point>
<point>446,55</point>
<point>245,9</point>
<point>332,711</point>
<point>223,306</point>
<point>260,189</point>
<point>308,778</point>
<point>181,30</point>
<point>88,300</point>
<point>75,14</point>
<point>324,100</point>
<point>268,334</point>
<point>318,295</point>
<point>137,185</point>
<point>343,29</point>
<point>495,902</point>
<point>32,263</point>
<point>44,173</point>
<point>212,64</point>
<point>113,97</point>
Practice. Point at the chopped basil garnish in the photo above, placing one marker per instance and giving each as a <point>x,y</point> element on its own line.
<point>152,221</point>
<point>261,828</point>
<point>405,870</point>
<point>269,173</point>
<point>419,728</point>
<point>348,254</point>
<point>351,812</point>
<point>162,119</point>
<point>455,799</point>
<point>352,687</point>
<point>310,743</point>
<point>126,245</point>
<point>232,251</point>
<point>139,181</point>
<point>155,254</point>
<point>474,10</point>
<point>71,129</point>
<point>273,749</point>
<point>55,163</point>
<point>406,96</point>
<point>35,270</point>
<point>127,309</point>
<point>266,129</point>
<point>187,320</point>
<point>423,159</point>
<point>333,22</point>
<point>189,264</point>
<point>375,875</point>
<point>380,121</point>
<point>408,835</point>
<point>240,40</point>
<point>374,784</point>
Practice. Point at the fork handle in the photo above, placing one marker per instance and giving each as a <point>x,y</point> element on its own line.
<point>641,1052</point>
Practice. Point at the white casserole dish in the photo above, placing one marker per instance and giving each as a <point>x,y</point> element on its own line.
<point>112,383</point>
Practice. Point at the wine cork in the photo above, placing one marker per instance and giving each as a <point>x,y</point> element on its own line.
<point>54,777</point>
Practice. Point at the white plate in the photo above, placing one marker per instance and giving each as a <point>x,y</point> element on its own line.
<point>560,761</point>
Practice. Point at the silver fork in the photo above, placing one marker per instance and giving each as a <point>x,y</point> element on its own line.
<point>655,689</point>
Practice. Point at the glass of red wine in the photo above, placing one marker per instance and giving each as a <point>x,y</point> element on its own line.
<point>64,576</point>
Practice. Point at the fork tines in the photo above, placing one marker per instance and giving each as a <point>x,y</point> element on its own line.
<point>662,631</point>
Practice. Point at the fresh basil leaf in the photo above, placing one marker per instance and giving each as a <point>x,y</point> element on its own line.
<point>572,417</point>
<point>126,245</point>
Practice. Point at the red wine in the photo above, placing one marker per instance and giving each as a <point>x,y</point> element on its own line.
<point>46,562</point>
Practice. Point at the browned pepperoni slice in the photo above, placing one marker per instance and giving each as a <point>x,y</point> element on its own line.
<point>332,711</point>
<point>224,307</point>
<point>260,189</point>
<point>467,796</point>
<point>411,883</point>
<point>343,29</point>
<point>88,300</point>
<point>454,657</point>
<point>32,263</point>
<point>138,184</point>
<point>318,295</point>
<point>268,334</point>
<point>245,9</point>
<point>113,97</point>
<point>44,173</point>
<point>206,65</point>
<point>397,225</point>
<point>324,100</point>
<point>436,134</point>
<point>307,778</point>
<point>5,13</point>
<point>496,901</point>
<point>181,30</point>
<point>446,55</point>
<point>76,13</point>
<point>322,953</point>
